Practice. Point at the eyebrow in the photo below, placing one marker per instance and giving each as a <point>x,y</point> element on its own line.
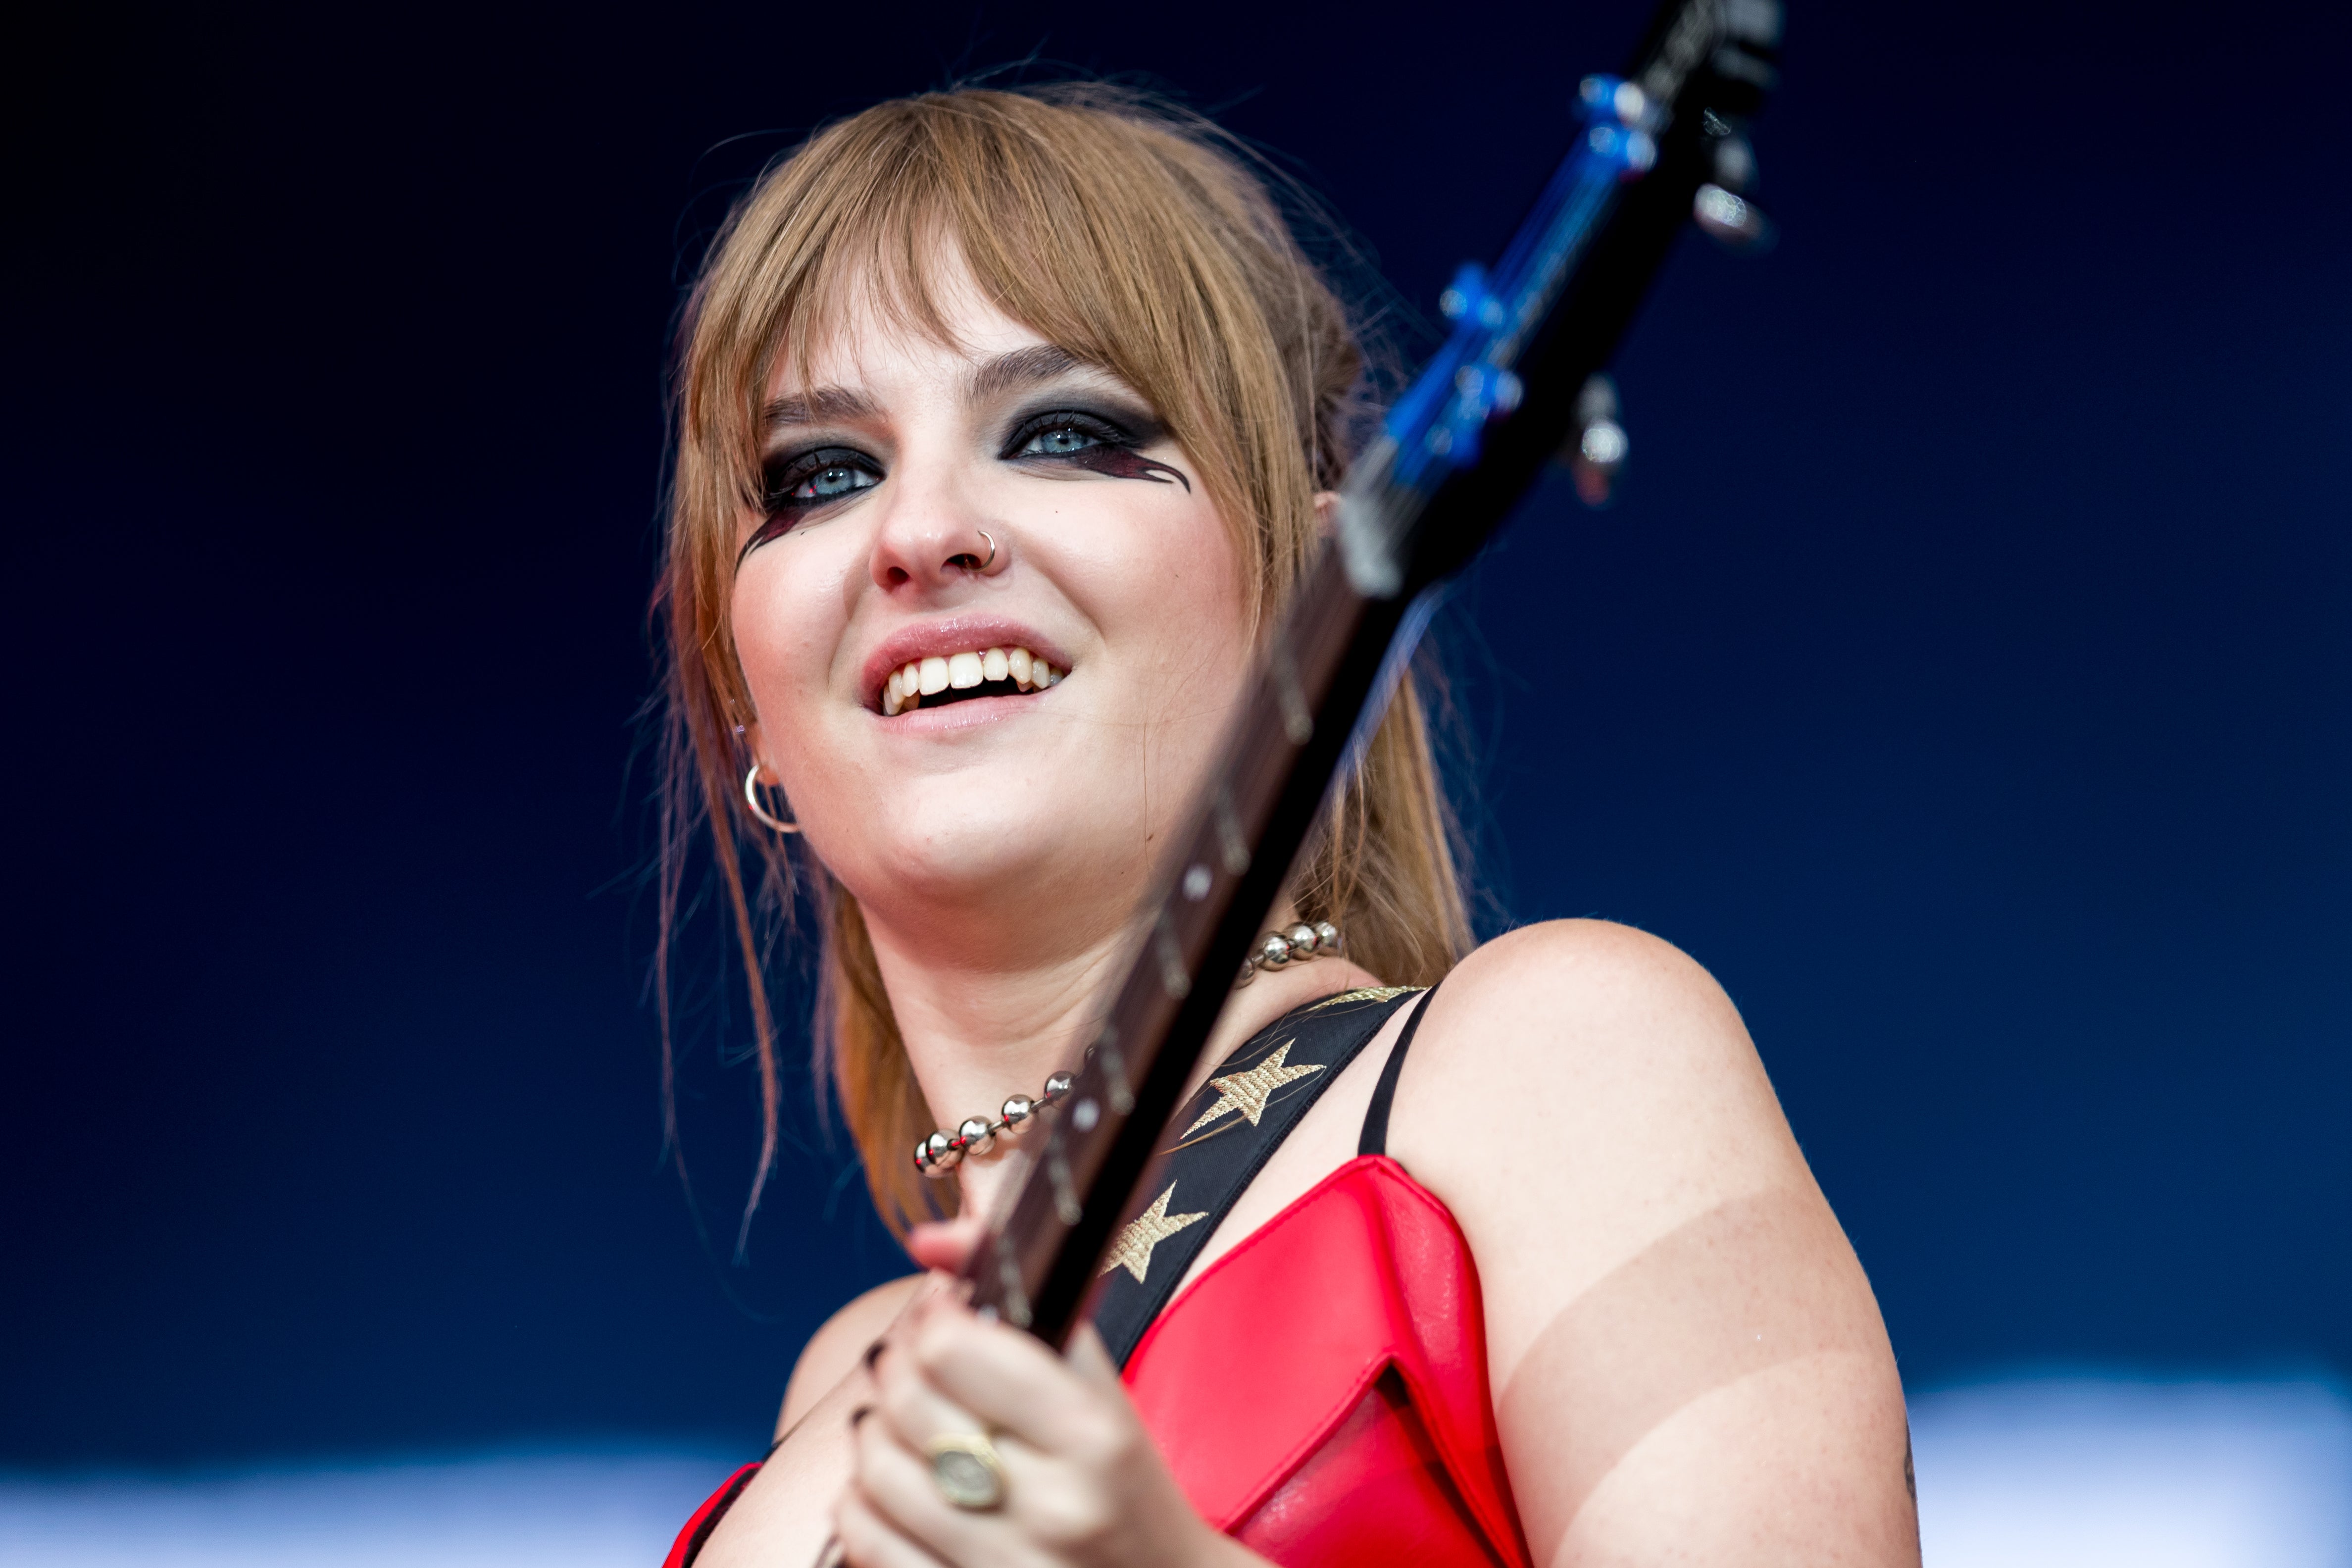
<point>820,405</point>
<point>1022,367</point>
<point>991,378</point>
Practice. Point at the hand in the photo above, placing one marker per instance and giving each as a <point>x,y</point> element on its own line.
<point>1083,1486</point>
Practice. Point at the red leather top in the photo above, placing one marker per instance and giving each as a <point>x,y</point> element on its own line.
<point>697,1529</point>
<point>1320,1391</point>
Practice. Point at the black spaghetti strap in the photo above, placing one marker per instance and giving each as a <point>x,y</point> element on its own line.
<point>1375,1139</point>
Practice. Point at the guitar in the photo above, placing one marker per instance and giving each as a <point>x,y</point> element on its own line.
<point>1654,146</point>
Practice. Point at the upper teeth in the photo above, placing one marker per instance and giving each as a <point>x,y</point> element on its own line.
<point>909,686</point>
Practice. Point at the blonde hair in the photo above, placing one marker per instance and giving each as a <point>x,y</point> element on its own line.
<point>1136,237</point>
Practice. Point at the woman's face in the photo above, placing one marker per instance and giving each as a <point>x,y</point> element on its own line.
<point>993,821</point>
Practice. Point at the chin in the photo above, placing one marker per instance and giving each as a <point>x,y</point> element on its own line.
<point>981,861</point>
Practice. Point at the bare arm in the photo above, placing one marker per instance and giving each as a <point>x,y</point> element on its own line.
<point>1686,1361</point>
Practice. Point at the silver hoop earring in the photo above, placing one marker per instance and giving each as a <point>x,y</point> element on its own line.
<point>751,799</point>
<point>991,548</point>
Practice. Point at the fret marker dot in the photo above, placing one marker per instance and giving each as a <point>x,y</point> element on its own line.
<point>1085,1114</point>
<point>1196,883</point>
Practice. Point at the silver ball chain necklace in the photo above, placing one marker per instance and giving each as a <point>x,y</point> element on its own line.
<point>943,1150</point>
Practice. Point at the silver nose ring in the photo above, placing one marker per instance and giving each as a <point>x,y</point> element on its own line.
<point>991,548</point>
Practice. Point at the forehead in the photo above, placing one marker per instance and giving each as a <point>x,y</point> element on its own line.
<point>871,332</point>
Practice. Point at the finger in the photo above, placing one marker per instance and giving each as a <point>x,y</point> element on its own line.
<point>901,1489</point>
<point>867,1540</point>
<point>932,1287</point>
<point>1007,1381</point>
<point>1089,1357</point>
<point>911,1406</point>
<point>945,1244</point>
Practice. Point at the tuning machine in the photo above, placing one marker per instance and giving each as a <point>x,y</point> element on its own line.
<point>1595,450</point>
<point>1724,206</point>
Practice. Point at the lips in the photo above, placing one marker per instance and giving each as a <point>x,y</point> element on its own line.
<point>934,663</point>
<point>936,679</point>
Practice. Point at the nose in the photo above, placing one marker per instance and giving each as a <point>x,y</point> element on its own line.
<point>929,538</point>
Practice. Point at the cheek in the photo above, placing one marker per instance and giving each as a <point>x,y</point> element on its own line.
<point>787,621</point>
<point>1198,589</point>
<point>1178,583</point>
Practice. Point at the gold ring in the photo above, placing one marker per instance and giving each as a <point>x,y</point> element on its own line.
<point>967,1471</point>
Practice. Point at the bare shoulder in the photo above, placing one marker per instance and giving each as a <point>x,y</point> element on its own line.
<point>1571,1016</point>
<point>832,1352</point>
<point>1653,1252</point>
<point>1578,1089</point>
<point>1567,995</point>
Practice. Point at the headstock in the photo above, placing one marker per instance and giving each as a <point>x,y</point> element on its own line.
<point>1662,142</point>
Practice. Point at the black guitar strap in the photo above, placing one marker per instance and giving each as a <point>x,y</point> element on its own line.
<point>1225,1135</point>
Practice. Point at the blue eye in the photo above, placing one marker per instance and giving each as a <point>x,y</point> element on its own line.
<point>1059,441</point>
<point>798,485</point>
<point>830,483</point>
<point>802,482</point>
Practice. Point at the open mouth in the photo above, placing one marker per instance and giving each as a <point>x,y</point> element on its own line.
<point>942,679</point>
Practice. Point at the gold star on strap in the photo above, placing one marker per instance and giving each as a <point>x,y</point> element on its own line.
<point>1247,1092</point>
<point>1363,993</point>
<point>1145,1231</point>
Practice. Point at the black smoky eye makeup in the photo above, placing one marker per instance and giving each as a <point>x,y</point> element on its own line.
<point>820,474</point>
<point>794,484</point>
<point>1058,432</point>
<point>1099,443</point>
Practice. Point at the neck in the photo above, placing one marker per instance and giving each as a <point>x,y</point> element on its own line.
<point>977,1033</point>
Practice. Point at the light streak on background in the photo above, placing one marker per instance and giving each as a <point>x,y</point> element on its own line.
<point>612,1509</point>
<point>2081,1472</point>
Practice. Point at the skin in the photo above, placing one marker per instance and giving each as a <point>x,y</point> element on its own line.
<point>1686,1358</point>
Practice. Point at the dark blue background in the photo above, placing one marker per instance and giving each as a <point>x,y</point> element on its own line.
<point>1966,678</point>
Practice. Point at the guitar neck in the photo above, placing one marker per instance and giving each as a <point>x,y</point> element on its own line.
<point>1454,457</point>
<point>1323,664</point>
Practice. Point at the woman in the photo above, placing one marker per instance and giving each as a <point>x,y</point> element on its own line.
<point>1006,423</point>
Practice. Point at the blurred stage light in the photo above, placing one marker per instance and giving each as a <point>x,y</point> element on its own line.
<point>604,1510</point>
<point>2089,1473</point>
<point>2082,1472</point>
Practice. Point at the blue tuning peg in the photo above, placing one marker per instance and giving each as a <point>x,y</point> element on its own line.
<point>1466,298</point>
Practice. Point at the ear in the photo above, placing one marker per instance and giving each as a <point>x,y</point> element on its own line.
<point>748,734</point>
<point>1327,513</point>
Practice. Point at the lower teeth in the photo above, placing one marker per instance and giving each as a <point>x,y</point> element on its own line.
<point>1007,688</point>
